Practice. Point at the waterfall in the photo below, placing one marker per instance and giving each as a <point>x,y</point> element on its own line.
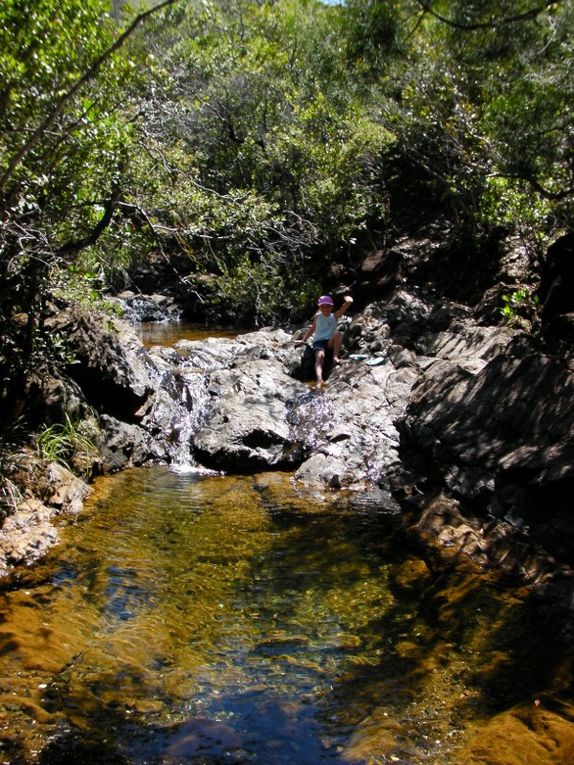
<point>178,408</point>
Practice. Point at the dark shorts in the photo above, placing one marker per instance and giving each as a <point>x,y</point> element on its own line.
<point>320,345</point>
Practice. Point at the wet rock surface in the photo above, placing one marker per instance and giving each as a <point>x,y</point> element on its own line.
<point>255,414</point>
<point>523,734</point>
<point>430,399</point>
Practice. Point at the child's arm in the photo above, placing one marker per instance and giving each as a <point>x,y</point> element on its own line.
<point>310,331</point>
<point>346,305</point>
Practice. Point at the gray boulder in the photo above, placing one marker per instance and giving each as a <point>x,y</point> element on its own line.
<point>502,436</point>
<point>106,360</point>
<point>246,427</point>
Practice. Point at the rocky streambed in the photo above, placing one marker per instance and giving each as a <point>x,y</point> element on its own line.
<point>461,426</point>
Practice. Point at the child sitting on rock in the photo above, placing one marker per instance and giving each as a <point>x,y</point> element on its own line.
<point>325,333</point>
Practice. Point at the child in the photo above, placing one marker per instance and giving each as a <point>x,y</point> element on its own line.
<point>325,334</point>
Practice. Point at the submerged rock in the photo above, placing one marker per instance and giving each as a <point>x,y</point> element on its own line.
<point>527,733</point>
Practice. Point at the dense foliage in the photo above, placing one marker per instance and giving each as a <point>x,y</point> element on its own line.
<point>254,146</point>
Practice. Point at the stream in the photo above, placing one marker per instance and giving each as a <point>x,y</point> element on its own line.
<point>210,619</point>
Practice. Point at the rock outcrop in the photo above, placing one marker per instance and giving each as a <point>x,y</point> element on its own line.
<point>431,400</point>
<point>28,529</point>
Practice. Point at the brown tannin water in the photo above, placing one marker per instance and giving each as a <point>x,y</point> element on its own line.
<point>203,620</point>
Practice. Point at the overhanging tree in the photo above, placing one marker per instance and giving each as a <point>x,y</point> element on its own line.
<point>63,149</point>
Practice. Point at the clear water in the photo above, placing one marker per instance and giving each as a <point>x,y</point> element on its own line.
<point>236,620</point>
<point>168,332</point>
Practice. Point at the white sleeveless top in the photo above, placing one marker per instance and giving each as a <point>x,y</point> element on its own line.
<point>325,326</point>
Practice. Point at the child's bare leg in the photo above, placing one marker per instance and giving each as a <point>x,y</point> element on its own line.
<point>319,359</point>
<point>335,343</point>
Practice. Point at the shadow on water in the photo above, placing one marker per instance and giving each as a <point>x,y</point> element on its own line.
<point>233,620</point>
<point>278,735</point>
<point>460,646</point>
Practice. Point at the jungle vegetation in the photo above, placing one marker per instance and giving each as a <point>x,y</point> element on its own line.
<point>250,145</point>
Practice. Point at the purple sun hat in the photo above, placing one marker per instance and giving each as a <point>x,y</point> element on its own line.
<point>325,300</point>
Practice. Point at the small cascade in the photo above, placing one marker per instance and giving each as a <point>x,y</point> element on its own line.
<point>178,409</point>
<point>148,308</point>
<point>310,421</point>
<point>231,402</point>
<point>188,416</point>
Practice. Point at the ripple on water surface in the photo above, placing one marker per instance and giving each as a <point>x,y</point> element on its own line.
<point>232,619</point>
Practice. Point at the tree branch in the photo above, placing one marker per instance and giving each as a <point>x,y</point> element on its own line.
<point>93,236</point>
<point>525,16</point>
<point>555,196</point>
<point>78,85</point>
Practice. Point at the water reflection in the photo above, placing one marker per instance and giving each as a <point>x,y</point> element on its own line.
<point>169,332</point>
<point>231,619</point>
